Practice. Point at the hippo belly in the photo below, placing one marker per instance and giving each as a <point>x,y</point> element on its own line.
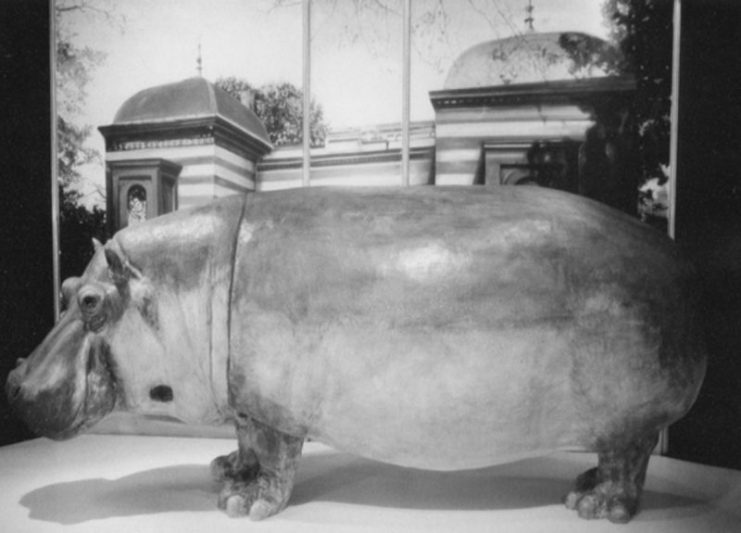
<point>448,402</point>
<point>460,333</point>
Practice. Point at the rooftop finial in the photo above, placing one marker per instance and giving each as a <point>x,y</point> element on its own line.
<point>529,19</point>
<point>199,61</point>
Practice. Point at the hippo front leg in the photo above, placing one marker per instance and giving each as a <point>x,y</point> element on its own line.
<point>613,489</point>
<point>257,478</point>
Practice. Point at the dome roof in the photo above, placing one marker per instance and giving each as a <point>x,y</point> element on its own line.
<point>530,58</point>
<point>192,98</point>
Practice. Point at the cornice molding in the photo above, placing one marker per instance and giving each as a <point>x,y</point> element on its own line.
<point>186,132</point>
<point>578,91</point>
<point>166,165</point>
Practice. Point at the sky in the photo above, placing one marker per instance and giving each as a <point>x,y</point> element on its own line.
<point>356,56</point>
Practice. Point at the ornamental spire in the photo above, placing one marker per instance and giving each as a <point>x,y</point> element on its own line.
<point>199,61</point>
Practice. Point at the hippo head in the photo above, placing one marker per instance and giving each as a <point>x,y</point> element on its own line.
<point>69,382</point>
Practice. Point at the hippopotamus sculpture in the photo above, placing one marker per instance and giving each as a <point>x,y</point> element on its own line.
<point>435,328</point>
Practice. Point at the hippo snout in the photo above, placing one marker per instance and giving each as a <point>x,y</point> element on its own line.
<point>13,384</point>
<point>17,400</point>
<point>45,413</point>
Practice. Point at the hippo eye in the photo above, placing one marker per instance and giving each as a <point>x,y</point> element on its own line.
<point>90,300</point>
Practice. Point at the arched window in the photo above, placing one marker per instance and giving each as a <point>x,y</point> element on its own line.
<point>136,205</point>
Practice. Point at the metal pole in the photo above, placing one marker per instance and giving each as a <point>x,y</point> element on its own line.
<point>406,91</point>
<point>54,165</point>
<point>663,444</point>
<point>674,117</point>
<point>306,174</point>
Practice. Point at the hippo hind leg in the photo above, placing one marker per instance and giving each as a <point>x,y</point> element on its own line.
<point>257,478</point>
<point>613,489</point>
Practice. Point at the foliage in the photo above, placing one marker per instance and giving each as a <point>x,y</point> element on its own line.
<point>78,226</point>
<point>237,87</point>
<point>279,106</point>
<point>74,66</point>
<point>643,31</point>
<point>588,53</point>
<point>71,151</point>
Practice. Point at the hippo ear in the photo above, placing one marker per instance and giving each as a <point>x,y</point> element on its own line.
<point>69,290</point>
<point>96,245</point>
<point>121,270</point>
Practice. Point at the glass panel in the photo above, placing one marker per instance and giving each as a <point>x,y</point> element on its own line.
<point>356,79</point>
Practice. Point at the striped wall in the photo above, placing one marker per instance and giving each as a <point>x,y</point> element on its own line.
<point>452,155</point>
<point>209,170</point>
<point>360,169</point>
<point>462,132</point>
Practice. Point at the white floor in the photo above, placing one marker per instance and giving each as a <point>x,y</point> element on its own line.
<point>136,484</point>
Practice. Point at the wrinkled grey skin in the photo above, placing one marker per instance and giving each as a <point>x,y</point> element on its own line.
<point>439,328</point>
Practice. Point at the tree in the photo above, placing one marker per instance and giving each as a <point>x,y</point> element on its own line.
<point>79,225</point>
<point>643,31</point>
<point>280,108</point>
<point>74,66</point>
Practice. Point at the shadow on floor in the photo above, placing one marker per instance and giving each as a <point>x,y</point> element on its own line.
<point>327,478</point>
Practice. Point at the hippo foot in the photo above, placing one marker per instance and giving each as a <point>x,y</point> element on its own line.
<point>591,499</point>
<point>259,498</point>
<point>613,489</point>
<point>257,479</point>
<point>232,467</point>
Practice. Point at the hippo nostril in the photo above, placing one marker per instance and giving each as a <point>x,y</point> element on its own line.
<point>161,393</point>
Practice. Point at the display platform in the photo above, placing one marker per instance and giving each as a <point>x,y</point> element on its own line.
<point>111,483</point>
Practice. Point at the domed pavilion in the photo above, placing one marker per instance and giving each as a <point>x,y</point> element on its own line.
<point>530,58</point>
<point>177,145</point>
<point>517,110</point>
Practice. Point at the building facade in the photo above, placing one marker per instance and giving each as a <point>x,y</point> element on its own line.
<point>531,109</point>
<point>189,141</point>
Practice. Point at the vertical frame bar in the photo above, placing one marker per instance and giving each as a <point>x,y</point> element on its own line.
<point>406,90</point>
<point>662,447</point>
<point>54,166</point>
<point>674,118</point>
<point>306,169</point>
